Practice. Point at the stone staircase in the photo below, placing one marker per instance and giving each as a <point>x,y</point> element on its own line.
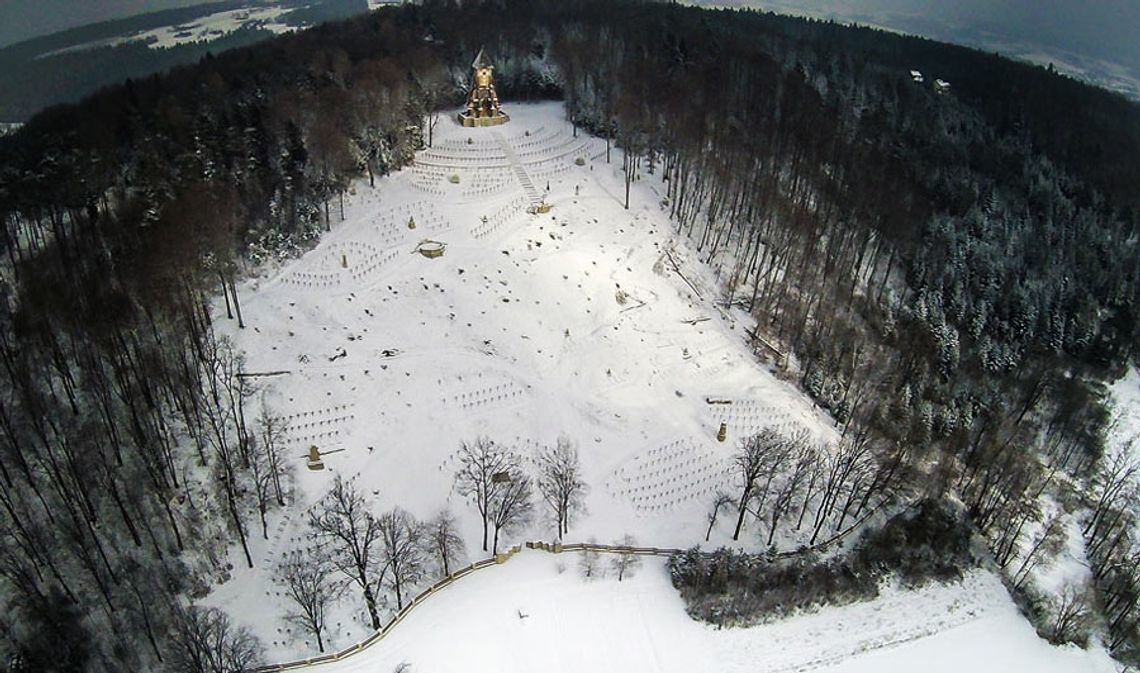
<point>532,193</point>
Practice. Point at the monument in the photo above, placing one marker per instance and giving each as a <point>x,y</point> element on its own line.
<point>482,103</point>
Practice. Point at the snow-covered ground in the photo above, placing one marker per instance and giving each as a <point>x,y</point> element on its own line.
<point>530,327</point>
<point>526,616</point>
<point>1125,401</point>
<point>207,28</point>
<point>215,25</point>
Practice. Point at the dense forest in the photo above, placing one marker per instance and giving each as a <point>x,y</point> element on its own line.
<point>952,276</point>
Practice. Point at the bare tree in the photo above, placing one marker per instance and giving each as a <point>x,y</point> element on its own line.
<point>754,459</point>
<point>221,364</point>
<point>444,540</point>
<point>483,471</point>
<point>789,489</point>
<point>560,482</point>
<point>1113,483</point>
<point>511,507</point>
<point>271,431</point>
<point>815,472</point>
<point>352,534</point>
<point>202,640</point>
<point>404,560</point>
<point>262,477</point>
<point>625,561</point>
<point>1070,616</point>
<point>306,575</point>
<point>1045,546</point>
<point>722,500</point>
<point>848,461</point>
<point>432,86</point>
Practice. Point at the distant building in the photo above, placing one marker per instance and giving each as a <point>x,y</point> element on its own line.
<point>941,86</point>
<point>482,103</point>
<point>917,76</point>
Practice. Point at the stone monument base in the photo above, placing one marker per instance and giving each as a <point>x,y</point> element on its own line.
<point>468,120</point>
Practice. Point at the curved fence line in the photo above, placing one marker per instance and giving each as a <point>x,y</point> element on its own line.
<point>399,617</point>
<point>552,547</point>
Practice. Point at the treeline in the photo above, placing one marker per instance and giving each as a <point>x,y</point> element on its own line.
<point>391,556</point>
<point>951,275</point>
<point>31,82</point>
<point>930,542</point>
<point>133,451</point>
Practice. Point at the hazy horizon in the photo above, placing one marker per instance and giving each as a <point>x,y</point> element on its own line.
<point>1096,38</point>
<point>1093,39</point>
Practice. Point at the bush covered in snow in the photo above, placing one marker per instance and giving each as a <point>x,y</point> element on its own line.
<point>931,541</point>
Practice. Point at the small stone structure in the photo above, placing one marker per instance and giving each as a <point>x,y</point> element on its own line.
<point>431,249</point>
<point>314,462</point>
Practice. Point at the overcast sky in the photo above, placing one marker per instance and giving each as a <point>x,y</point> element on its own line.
<point>24,19</point>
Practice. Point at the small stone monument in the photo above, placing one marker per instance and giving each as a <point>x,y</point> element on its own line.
<point>722,434</point>
<point>431,249</point>
<point>412,222</point>
<point>315,463</point>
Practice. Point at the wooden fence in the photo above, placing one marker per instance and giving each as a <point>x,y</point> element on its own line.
<point>552,547</point>
<point>377,636</point>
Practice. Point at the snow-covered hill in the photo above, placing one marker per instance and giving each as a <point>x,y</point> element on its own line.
<point>527,615</point>
<point>271,16</point>
<point>532,326</point>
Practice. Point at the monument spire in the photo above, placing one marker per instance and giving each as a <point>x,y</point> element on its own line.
<point>483,102</point>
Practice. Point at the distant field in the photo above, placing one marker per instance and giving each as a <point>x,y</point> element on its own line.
<point>1102,61</point>
<point>65,66</point>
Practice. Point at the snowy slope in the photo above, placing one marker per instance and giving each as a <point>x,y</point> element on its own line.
<point>639,625</point>
<point>527,328</point>
<point>516,333</point>
<point>267,16</point>
<point>1125,405</point>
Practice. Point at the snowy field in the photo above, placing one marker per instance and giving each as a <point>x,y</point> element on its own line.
<point>203,29</point>
<point>530,327</point>
<point>526,616</point>
<point>206,28</point>
<point>212,27</point>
